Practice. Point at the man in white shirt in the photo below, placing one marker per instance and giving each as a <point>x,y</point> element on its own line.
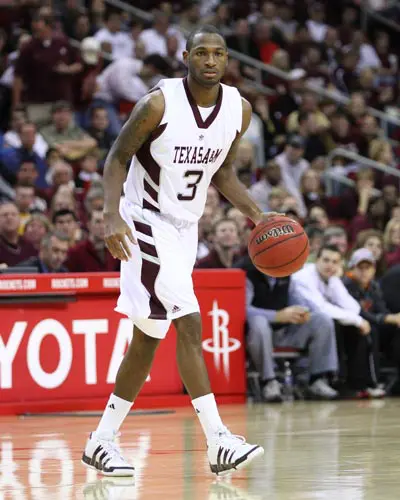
<point>316,26</point>
<point>326,293</point>
<point>129,79</point>
<point>122,43</point>
<point>293,166</point>
<point>155,38</point>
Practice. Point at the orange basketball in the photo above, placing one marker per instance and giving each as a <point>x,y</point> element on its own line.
<point>278,247</point>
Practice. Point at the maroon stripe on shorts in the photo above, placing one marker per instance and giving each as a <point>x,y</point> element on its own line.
<point>143,228</point>
<point>150,272</point>
<point>147,248</point>
<point>146,204</point>
<point>150,191</point>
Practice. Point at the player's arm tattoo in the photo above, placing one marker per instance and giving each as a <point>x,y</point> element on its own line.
<point>144,119</point>
<point>226,180</point>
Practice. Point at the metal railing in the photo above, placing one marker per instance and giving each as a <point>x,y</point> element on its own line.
<point>335,96</point>
<point>331,176</point>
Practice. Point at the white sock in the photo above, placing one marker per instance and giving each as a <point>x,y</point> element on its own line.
<point>207,411</point>
<point>115,413</point>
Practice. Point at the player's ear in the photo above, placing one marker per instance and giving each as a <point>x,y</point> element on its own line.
<point>185,55</point>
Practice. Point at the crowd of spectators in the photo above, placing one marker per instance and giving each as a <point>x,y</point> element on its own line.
<point>71,72</point>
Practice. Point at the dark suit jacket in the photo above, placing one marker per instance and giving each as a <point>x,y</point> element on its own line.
<point>40,266</point>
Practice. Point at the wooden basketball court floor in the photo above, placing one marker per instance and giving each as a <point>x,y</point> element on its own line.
<point>336,451</point>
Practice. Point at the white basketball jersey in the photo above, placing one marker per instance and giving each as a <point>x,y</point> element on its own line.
<point>171,172</point>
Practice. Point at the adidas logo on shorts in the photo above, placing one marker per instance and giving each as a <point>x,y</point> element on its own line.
<point>176,309</point>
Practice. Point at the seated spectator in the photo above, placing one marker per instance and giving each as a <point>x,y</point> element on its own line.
<point>373,240</point>
<point>52,255</point>
<point>127,80</point>
<point>265,46</point>
<point>345,77</point>
<point>270,177</point>
<point>276,199</point>
<point>357,109</point>
<point>245,162</point>
<point>308,104</point>
<point>26,202</point>
<point>337,236</point>
<point>12,138</point>
<point>355,200</point>
<point>155,38</point>
<point>65,221</point>
<point>112,33</point>
<point>225,246</point>
<point>368,58</point>
<point>35,228</point>
<point>327,294</point>
<point>314,146</point>
<point>316,240</point>
<point>89,170</point>
<point>214,202</point>
<point>340,134</point>
<point>293,166</point>
<point>91,255</point>
<point>317,73</point>
<point>27,174</point>
<point>45,69</point>
<point>12,158</point>
<point>391,241</point>
<point>98,129</point>
<point>276,315</point>
<point>318,217</point>
<point>70,141</point>
<point>311,188</point>
<point>361,284</point>
<point>376,217</point>
<point>63,199</point>
<point>315,24</point>
<point>94,199</point>
<point>13,247</point>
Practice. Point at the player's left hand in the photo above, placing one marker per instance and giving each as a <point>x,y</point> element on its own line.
<point>267,216</point>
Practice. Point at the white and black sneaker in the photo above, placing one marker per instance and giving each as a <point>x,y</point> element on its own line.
<point>227,453</point>
<point>102,454</point>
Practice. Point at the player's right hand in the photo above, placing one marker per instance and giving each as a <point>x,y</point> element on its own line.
<point>116,230</point>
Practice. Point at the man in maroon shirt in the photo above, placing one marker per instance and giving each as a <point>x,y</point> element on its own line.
<point>92,255</point>
<point>13,248</point>
<point>44,70</point>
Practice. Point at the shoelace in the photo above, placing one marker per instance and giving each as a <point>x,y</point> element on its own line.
<point>111,448</point>
<point>228,434</point>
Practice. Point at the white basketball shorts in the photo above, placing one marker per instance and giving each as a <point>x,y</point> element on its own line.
<point>156,282</point>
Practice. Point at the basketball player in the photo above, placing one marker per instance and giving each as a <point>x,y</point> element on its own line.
<point>182,136</point>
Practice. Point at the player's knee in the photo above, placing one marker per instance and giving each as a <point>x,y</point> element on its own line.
<point>189,327</point>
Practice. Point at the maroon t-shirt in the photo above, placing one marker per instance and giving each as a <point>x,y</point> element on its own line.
<point>36,66</point>
<point>14,254</point>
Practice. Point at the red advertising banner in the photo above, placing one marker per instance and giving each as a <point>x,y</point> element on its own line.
<point>61,341</point>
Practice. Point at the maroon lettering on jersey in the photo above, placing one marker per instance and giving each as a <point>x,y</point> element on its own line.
<point>195,155</point>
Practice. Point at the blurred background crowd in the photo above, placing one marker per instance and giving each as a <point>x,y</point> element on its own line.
<point>323,144</point>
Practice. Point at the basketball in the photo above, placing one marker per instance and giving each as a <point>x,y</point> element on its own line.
<point>278,247</point>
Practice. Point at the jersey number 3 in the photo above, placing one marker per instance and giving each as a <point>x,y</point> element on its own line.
<point>197,175</point>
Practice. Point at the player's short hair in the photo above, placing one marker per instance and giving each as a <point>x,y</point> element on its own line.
<point>330,248</point>
<point>206,29</point>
